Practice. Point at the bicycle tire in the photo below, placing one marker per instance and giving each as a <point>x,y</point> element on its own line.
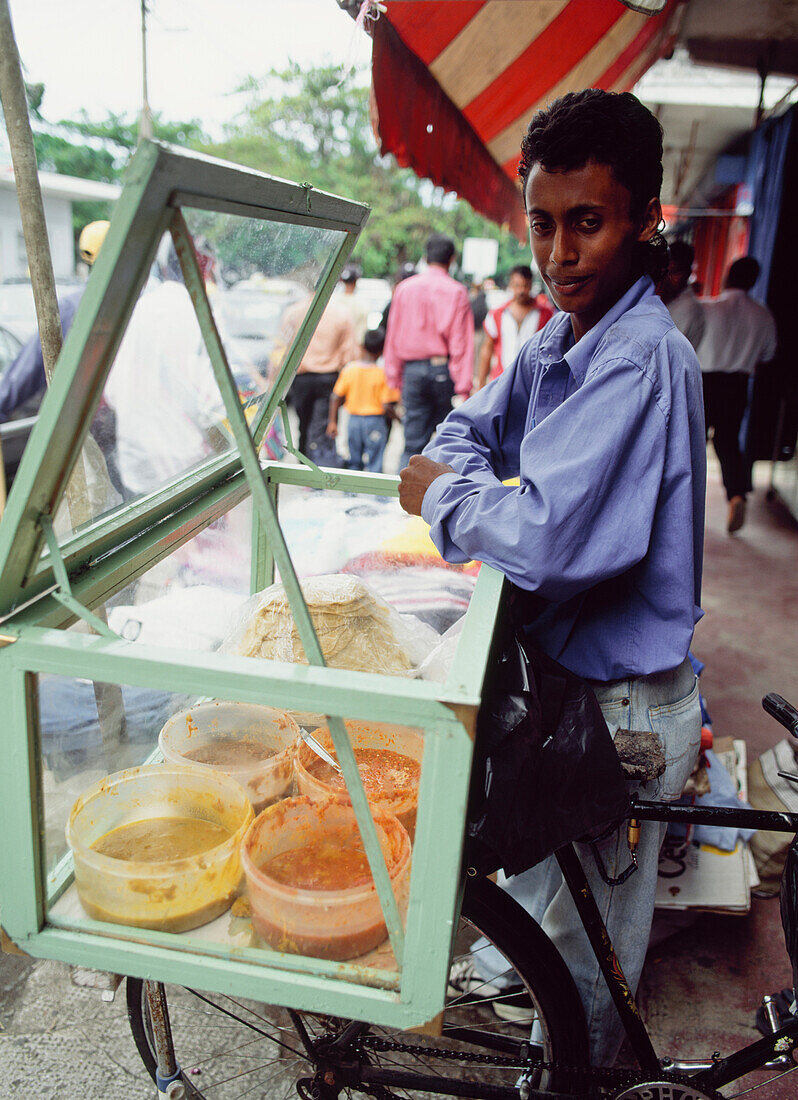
<point>487,911</point>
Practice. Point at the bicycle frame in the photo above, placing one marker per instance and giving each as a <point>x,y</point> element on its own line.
<point>723,1070</point>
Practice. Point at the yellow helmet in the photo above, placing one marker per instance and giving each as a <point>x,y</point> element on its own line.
<point>91,240</point>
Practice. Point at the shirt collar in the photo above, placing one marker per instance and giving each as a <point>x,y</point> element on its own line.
<point>555,346</point>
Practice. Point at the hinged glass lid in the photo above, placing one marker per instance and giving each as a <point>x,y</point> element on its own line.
<point>209,271</point>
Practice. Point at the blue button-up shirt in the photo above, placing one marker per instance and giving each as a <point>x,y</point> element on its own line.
<point>606,526</point>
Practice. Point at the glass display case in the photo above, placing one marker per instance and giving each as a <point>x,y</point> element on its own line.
<point>170,564</point>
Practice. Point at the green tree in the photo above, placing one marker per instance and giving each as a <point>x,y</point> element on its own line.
<point>314,125</point>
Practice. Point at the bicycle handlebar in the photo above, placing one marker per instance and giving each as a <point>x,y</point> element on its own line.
<point>782,711</point>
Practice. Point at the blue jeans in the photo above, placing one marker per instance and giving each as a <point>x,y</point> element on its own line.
<point>666,703</point>
<point>427,393</point>
<point>367,438</point>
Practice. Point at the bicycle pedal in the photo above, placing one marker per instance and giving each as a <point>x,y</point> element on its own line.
<point>775,1011</point>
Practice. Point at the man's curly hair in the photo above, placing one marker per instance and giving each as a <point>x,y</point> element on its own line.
<point>612,128</point>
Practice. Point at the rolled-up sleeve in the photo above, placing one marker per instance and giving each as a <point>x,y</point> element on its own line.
<point>590,477</point>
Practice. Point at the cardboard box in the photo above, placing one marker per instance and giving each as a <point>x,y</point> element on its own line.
<point>699,876</point>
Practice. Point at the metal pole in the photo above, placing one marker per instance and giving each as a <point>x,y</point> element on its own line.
<point>170,1087</point>
<point>145,123</point>
<point>34,228</point>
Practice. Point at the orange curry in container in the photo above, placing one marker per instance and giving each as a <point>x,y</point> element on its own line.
<point>388,758</point>
<point>309,882</point>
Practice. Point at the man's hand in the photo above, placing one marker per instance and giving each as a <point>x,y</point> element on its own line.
<point>416,478</point>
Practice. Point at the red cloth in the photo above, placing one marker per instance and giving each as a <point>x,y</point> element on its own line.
<point>430,316</point>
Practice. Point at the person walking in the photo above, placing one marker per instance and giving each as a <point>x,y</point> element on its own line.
<point>511,325</point>
<point>331,347</point>
<point>161,387</point>
<point>739,332</point>
<point>25,378</point>
<point>429,345</point>
<point>371,403</point>
<point>351,303</point>
<point>677,294</point>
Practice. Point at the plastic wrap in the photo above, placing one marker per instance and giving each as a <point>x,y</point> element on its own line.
<point>356,628</point>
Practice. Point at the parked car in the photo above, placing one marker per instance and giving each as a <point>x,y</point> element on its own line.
<point>250,313</point>
<point>375,294</point>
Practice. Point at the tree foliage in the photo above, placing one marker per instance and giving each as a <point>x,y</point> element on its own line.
<point>305,125</point>
<point>314,126</point>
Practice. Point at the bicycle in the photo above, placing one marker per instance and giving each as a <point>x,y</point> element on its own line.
<point>280,1051</point>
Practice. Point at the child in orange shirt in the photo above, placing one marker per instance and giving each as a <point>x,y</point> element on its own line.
<point>370,402</point>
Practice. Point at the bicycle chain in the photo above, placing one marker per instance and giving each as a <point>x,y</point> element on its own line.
<point>378,1042</point>
<point>619,1078</point>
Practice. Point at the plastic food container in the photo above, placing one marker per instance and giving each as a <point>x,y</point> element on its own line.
<point>168,895</point>
<point>237,732</point>
<point>325,924</point>
<point>363,735</point>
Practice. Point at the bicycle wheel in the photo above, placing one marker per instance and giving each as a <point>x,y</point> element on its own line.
<point>231,1048</point>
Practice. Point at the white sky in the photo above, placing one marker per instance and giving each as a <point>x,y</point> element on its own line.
<point>88,52</point>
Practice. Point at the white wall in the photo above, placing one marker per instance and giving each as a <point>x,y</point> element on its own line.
<point>13,260</point>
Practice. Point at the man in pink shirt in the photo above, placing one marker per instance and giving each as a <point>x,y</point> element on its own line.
<point>429,345</point>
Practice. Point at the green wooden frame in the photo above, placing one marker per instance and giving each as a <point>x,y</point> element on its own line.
<point>42,594</point>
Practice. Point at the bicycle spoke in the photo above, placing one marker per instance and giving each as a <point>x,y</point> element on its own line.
<point>245,1023</point>
<point>227,1052</point>
<point>239,1075</point>
<point>769,1081</point>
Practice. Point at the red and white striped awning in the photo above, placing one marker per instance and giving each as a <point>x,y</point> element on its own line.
<point>455,82</point>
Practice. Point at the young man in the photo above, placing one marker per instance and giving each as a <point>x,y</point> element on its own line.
<point>677,294</point>
<point>507,327</point>
<point>600,416</point>
<point>331,347</point>
<point>739,333</point>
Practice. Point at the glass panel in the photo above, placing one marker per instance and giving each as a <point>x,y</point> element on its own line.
<point>188,602</point>
<point>89,730</point>
<point>161,414</point>
<point>236,761</point>
<point>189,599</point>
<point>395,604</point>
<point>261,278</point>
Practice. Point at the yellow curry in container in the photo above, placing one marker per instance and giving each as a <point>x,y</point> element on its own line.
<point>159,846</point>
